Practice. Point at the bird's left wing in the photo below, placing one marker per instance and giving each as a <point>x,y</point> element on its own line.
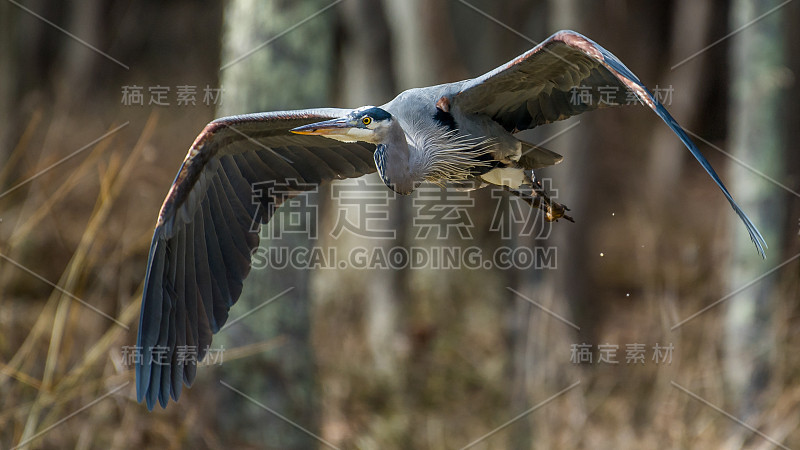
<point>237,172</point>
<point>565,75</point>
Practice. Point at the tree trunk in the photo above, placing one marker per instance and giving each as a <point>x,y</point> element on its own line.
<point>755,121</point>
<point>358,312</point>
<point>289,72</point>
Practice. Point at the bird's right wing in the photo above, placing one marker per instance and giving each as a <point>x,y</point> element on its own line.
<point>237,172</point>
<point>565,75</point>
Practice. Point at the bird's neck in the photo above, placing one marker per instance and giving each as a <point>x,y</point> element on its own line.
<point>396,164</point>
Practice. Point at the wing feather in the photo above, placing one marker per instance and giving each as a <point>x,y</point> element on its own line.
<point>548,80</point>
<point>545,84</point>
<point>208,227</point>
<point>338,163</point>
<point>361,159</point>
<point>189,292</point>
<point>177,338</point>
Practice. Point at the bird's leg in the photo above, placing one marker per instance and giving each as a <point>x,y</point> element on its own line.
<point>534,200</point>
<point>553,210</point>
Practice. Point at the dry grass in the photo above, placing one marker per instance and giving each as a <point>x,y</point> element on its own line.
<point>464,372</point>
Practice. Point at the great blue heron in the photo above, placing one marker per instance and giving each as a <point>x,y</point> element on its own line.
<point>460,132</point>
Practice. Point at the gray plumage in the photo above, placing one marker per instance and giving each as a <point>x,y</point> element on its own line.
<point>460,132</point>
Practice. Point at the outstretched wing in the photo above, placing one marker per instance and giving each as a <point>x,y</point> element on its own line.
<point>236,173</point>
<point>566,75</point>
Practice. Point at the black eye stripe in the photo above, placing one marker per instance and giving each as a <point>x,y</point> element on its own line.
<point>375,113</point>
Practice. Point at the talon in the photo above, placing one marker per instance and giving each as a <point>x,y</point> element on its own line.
<point>557,211</point>
<point>539,199</point>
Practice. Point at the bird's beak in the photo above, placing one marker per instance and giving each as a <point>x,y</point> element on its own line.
<point>328,127</point>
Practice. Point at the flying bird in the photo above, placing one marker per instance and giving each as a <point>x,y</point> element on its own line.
<point>459,134</point>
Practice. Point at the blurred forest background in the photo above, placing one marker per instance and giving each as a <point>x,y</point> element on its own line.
<point>408,358</point>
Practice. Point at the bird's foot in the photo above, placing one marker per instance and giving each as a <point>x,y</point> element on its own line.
<point>539,199</point>
<point>553,210</point>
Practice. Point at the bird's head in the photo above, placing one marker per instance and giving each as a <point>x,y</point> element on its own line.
<point>367,124</point>
<point>375,126</point>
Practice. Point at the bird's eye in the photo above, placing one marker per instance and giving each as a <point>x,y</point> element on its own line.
<point>366,120</point>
